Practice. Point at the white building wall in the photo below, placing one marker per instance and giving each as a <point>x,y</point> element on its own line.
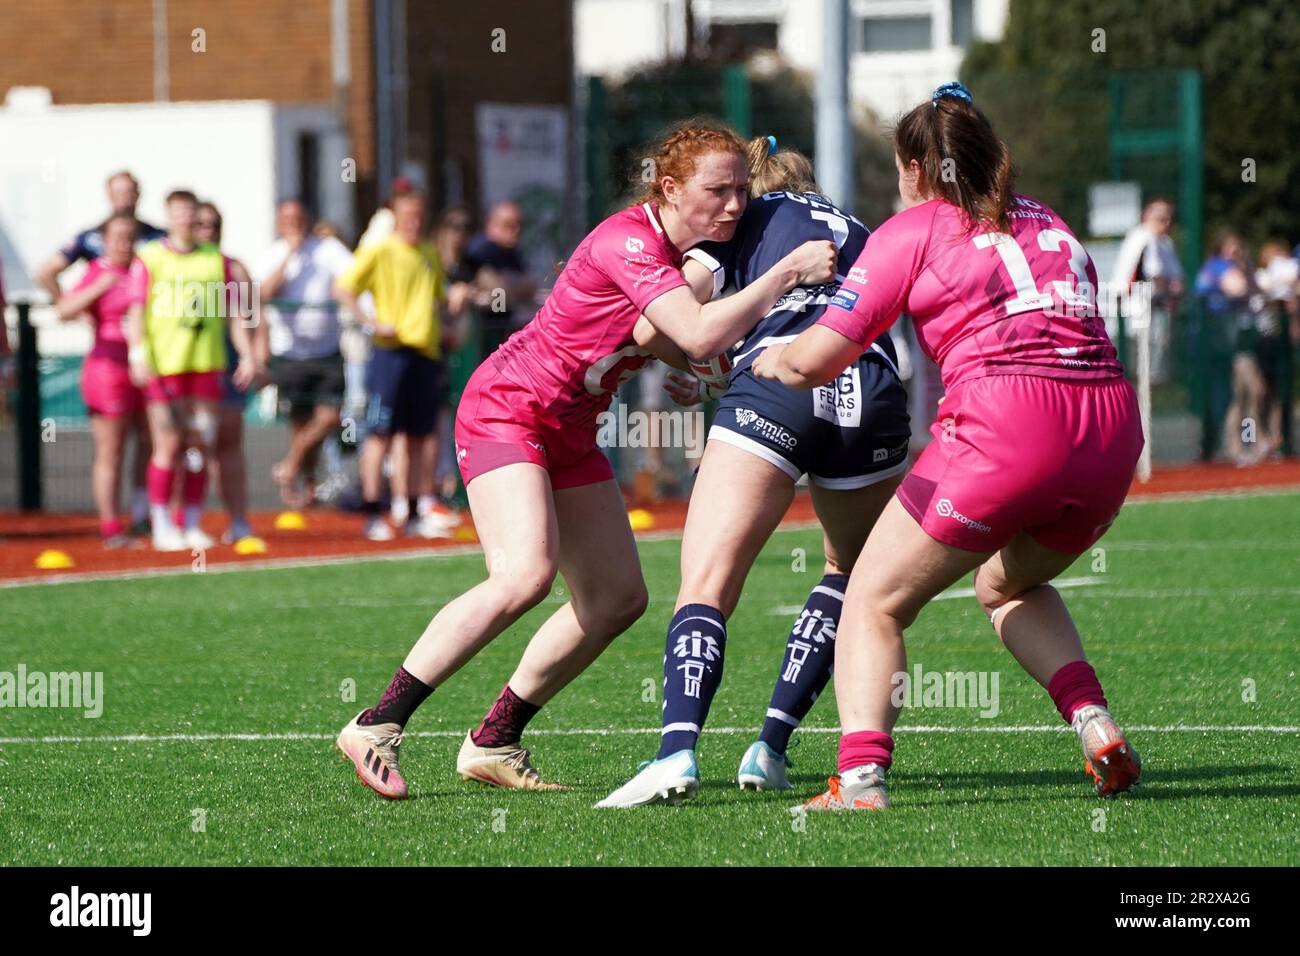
<point>54,160</point>
<point>616,35</point>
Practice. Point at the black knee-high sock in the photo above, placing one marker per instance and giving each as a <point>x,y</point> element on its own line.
<point>505,722</point>
<point>697,638</point>
<point>808,662</point>
<point>405,693</point>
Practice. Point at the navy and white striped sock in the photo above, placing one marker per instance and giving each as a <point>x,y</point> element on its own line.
<point>692,674</point>
<point>808,662</point>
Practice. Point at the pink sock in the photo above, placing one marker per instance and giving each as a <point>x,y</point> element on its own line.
<point>193,488</point>
<point>111,526</point>
<point>159,481</point>
<point>864,747</point>
<point>1075,685</point>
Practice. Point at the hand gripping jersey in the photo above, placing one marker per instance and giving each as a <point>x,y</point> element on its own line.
<point>579,349</point>
<point>984,303</point>
<point>771,227</point>
<point>849,433</point>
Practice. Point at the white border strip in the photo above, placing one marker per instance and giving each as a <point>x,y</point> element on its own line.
<point>363,557</point>
<point>274,564</point>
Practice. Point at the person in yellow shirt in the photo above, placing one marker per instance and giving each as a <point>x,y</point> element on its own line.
<point>181,294</point>
<point>405,377</point>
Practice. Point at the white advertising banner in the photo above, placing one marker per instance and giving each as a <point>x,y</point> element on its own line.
<point>524,156</point>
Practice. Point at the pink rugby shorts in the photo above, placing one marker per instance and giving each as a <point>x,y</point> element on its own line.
<point>206,386</point>
<point>1016,453</point>
<point>107,388</point>
<point>497,424</point>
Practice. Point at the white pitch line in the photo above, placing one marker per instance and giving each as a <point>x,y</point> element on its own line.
<point>1253,545</point>
<point>1257,491</point>
<point>598,732</point>
<point>952,594</point>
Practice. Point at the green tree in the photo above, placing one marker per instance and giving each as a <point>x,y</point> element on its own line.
<point>781,104</point>
<point>1045,86</point>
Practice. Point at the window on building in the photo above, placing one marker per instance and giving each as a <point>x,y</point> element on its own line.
<point>887,34</point>
<point>963,22</point>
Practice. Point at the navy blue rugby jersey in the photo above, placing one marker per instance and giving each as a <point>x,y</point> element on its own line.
<point>772,226</point>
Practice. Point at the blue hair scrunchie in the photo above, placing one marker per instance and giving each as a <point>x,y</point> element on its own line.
<point>771,145</point>
<point>955,90</point>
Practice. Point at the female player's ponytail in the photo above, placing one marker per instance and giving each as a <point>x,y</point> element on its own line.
<point>772,170</point>
<point>962,160</point>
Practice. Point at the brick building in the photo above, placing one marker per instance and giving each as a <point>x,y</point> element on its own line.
<point>401,79</point>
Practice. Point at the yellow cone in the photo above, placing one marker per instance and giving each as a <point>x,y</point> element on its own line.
<point>290,521</point>
<point>640,519</point>
<point>54,560</point>
<point>250,545</point>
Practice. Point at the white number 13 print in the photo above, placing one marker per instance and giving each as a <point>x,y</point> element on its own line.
<point>1075,292</point>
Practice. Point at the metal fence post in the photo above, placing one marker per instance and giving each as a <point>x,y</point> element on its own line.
<point>29,413</point>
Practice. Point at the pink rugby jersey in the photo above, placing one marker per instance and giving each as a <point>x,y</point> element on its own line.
<point>578,349</point>
<point>984,303</point>
<point>109,310</point>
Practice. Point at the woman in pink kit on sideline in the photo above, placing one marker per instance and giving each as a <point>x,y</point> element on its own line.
<point>1033,453</point>
<point>115,403</point>
<point>542,493</point>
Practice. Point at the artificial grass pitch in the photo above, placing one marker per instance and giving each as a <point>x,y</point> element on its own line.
<point>231,687</point>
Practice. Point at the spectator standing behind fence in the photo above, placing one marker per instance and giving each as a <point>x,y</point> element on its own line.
<point>1148,255</point>
<point>231,465</point>
<point>1226,283</point>
<point>404,377</point>
<point>503,287</point>
<point>450,237</point>
<point>123,195</point>
<point>297,276</point>
<point>1278,279</point>
<point>433,518</point>
<point>177,352</point>
<point>116,405</point>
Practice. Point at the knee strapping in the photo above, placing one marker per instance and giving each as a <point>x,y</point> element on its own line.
<point>1001,606</point>
<point>204,424</point>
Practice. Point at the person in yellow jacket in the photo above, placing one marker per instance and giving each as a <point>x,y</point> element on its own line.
<point>183,297</point>
<point>404,379</point>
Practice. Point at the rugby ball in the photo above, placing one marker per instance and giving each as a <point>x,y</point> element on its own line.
<point>715,368</point>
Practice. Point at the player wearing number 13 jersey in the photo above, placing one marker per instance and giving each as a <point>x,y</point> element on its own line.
<point>1034,450</point>
<point>1013,359</point>
<point>542,494</point>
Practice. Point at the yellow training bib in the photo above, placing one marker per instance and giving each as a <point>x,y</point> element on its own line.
<point>186,307</point>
